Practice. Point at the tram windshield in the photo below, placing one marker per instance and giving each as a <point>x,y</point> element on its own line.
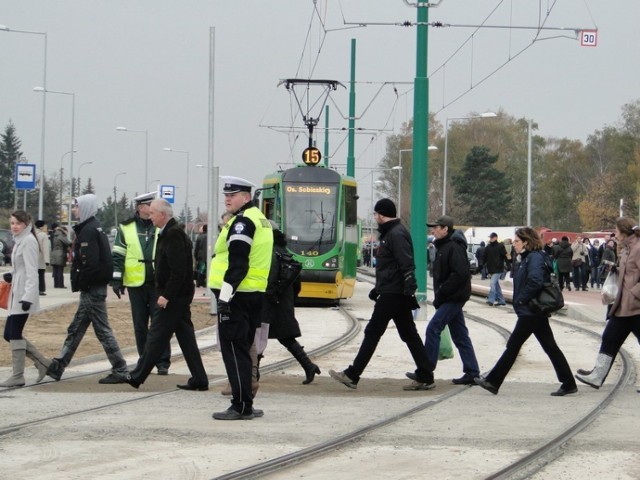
<point>310,217</point>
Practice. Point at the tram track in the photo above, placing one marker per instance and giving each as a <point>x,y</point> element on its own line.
<point>352,330</point>
<point>523,467</point>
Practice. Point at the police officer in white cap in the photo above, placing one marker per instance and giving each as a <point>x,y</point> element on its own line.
<point>133,254</point>
<point>238,277</point>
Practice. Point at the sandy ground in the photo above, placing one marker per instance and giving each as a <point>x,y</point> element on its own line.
<point>48,329</point>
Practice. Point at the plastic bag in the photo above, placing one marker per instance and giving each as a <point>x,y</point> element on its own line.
<point>610,288</point>
<point>446,345</point>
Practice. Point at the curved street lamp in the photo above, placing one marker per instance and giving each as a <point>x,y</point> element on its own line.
<point>146,149</point>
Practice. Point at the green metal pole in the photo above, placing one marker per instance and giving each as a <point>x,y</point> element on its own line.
<point>419,180</point>
<point>351,161</point>
<point>326,135</point>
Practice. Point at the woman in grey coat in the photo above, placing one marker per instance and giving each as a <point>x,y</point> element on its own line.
<point>59,251</point>
<point>24,298</point>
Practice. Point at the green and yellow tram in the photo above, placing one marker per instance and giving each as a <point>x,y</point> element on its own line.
<point>316,208</point>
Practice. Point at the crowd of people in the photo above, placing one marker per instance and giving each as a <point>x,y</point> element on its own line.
<point>152,261</point>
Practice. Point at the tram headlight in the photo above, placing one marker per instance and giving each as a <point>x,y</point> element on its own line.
<point>331,262</point>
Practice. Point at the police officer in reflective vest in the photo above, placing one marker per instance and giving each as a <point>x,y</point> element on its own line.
<point>133,253</point>
<point>238,277</point>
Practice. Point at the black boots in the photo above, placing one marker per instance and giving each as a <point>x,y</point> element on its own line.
<point>310,368</point>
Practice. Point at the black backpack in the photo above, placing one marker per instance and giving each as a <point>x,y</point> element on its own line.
<point>289,271</point>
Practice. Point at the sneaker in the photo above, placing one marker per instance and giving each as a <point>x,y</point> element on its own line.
<point>466,379</point>
<point>411,376</point>
<point>112,379</point>
<point>415,385</point>
<point>343,378</point>
<point>231,414</point>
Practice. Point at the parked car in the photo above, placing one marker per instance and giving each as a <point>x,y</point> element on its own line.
<point>473,263</point>
<point>6,246</point>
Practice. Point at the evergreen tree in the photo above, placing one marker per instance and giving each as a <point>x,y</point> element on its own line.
<point>483,195</point>
<point>88,188</point>
<point>9,155</point>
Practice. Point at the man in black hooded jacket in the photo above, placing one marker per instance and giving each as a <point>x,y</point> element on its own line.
<point>394,295</point>
<point>452,289</point>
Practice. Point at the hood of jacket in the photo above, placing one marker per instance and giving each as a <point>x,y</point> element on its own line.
<point>87,206</point>
<point>457,236</point>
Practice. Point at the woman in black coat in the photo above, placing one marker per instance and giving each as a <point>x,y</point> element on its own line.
<point>279,310</point>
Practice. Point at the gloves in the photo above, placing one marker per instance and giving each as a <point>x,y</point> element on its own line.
<point>614,269</point>
<point>436,304</point>
<point>117,287</point>
<point>410,284</point>
<point>413,303</point>
<point>373,294</point>
<point>8,277</point>
<point>25,305</point>
<point>224,311</point>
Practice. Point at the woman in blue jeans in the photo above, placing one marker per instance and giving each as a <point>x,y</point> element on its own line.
<point>535,270</point>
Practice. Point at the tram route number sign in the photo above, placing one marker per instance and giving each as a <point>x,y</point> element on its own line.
<point>589,38</point>
<point>311,156</point>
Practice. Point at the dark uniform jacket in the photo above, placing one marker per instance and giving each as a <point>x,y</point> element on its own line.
<point>88,269</point>
<point>173,264</point>
<point>451,274</point>
<point>395,267</point>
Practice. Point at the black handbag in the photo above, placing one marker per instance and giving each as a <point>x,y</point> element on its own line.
<point>550,298</point>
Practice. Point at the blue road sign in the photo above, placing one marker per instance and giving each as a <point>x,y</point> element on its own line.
<point>25,176</point>
<point>168,192</point>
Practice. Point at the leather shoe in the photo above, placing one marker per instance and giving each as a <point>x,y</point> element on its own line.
<point>163,371</point>
<point>490,387</point>
<point>561,392</point>
<point>189,386</point>
<point>231,414</point>
<point>131,381</point>
<point>464,380</point>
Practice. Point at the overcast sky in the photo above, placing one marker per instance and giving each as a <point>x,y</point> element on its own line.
<point>144,64</point>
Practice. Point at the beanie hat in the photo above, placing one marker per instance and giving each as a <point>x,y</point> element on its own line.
<point>386,208</point>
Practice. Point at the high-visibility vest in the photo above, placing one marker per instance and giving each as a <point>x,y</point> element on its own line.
<point>259,257</point>
<point>134,264</point>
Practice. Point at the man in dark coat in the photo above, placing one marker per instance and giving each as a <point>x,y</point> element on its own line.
<point>563,254</point>
<point>174,286</point>
<point>91,271</point>
<point>452,289</point>
<point>394,295</point>
<point>495,256</point>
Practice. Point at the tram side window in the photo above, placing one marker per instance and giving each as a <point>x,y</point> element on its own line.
<point>351,205</point>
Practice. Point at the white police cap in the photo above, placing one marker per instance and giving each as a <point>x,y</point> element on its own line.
<point>145,198</point>
<point>236,184</point>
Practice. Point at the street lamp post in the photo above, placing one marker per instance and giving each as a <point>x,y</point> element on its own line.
<point>115,199</point>
<point>80,168</point>
<point>73,127</point>
<point>446,152</point>
<point>186,197</point>
<point>44,112</point>
<point>399,189</point>
<point>149,184</point>
<point>61,176</point>
<point>146,149</point>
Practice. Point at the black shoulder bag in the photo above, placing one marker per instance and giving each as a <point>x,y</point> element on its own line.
<point>550,298</point>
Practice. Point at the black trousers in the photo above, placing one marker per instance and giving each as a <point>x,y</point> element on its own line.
<point>14,326</point>
<point>144,306</point>
<point>58,276</point>
<point>236,337</point>
<point>616,332</point>
<point>397,307</point>
<point>525,327</point>
<point>174,319</point>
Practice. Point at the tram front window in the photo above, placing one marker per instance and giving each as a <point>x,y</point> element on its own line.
<point>310,216</point>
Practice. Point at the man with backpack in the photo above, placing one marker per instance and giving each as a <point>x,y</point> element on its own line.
<point>91,271</point>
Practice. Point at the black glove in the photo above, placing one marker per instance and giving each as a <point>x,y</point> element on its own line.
<point>117,287</point>
<point>8,277</point>
<point>413,303</point>
<point>224,311</point>
<point>25,305</point>
<point>410,284</point>
<point>373,295</point>
<point>614,269</point>
<point>436,304</point>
